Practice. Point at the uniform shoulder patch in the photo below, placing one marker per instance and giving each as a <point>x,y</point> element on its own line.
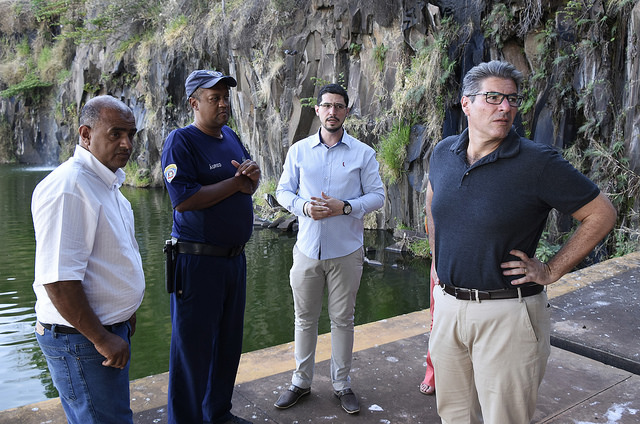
<point>170,171</point>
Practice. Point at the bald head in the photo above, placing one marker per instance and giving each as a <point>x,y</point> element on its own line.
<point>90,113</point>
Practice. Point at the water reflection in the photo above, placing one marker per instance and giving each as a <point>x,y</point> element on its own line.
<point>23,375</point>
<point>387,290</point>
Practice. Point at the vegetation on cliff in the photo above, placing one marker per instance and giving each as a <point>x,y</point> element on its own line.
<point>402,62</point>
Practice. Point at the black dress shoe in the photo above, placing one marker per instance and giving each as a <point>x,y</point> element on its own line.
<point>291,396</point>
<point>348,401</point>
<point>237,420</point>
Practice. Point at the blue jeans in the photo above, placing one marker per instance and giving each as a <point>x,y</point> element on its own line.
<point>90,393</point>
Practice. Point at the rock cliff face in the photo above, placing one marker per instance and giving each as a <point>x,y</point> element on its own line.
<point>402,62</point>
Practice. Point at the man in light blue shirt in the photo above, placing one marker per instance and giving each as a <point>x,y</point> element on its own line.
<point>330,181</point>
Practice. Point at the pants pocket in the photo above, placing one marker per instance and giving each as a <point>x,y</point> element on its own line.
<point>61,376</point>
<point>536,316</point>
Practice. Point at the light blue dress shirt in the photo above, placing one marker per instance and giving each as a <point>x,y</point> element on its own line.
<point>347,171</point>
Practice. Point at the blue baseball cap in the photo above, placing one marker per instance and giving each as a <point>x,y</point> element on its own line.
<point>206,79</point>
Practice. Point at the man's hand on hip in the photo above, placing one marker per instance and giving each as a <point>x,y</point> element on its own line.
<point>532,269</point>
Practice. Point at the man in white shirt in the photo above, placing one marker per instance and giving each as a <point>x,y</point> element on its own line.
<point>89,280</point>
<point>330,181</point>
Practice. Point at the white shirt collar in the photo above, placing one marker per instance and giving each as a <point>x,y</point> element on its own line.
<point>111,179</point>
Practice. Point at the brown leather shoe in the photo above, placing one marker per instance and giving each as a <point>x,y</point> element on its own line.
<point>348,401</point>
<point>291,396</point>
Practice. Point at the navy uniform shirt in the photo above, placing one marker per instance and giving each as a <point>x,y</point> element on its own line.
<point>191,159</point>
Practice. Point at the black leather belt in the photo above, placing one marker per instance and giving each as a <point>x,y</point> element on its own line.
<point>473,294</point>
<point>63,329</point>
<point>192,248</point>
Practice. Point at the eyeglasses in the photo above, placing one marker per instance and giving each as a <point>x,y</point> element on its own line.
<point>496,98</point>
<point>336,106</point>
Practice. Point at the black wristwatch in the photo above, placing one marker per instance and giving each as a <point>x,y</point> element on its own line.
<point>346,209</point>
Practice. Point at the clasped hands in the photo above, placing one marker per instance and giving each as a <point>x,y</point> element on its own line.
<point>251,171</point>
<point>323,207</point>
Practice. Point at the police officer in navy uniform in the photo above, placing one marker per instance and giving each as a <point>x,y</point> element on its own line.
<point>210,178</point>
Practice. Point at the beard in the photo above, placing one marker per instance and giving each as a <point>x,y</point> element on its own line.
<point>332,129</point>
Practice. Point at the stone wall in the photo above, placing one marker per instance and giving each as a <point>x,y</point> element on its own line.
<point>279,51</point>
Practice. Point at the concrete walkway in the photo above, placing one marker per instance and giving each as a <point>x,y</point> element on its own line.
<point>592,376</point>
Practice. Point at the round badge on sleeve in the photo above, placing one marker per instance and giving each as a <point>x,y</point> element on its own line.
<point>170,171</point>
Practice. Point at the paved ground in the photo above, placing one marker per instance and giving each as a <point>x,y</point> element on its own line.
<point>592,376</point>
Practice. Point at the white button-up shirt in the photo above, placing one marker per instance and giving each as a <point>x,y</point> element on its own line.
<point>347,171</point>
<point>84,231</point>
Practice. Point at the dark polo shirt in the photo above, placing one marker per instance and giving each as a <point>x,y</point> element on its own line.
<point>499,203</point>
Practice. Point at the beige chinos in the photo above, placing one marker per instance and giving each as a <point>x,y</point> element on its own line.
<point>492,352</point>
<point>309,277</point>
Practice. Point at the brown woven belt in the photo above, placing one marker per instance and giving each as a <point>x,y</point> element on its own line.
<point>473,294</point>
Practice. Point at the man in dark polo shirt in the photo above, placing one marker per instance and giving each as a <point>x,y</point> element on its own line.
<point>489,194</point>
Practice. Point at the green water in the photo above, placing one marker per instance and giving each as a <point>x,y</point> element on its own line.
<point>395,287</point>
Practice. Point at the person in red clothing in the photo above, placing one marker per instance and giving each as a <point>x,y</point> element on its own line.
<point>428,385</point>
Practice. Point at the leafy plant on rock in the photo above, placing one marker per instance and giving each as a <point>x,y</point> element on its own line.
<point>31,86</point>
<point>498,25</point>
<point>379,55</point>
<point>392,151</point>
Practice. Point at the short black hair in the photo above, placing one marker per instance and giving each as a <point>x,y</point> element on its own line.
<point>333,89</point>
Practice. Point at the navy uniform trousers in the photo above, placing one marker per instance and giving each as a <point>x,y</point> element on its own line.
<point>207,320</point>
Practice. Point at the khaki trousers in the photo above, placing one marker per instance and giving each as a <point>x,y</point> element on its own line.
<point>489,357</point>
<point>309,277</point>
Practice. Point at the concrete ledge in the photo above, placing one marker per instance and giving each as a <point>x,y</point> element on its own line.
<point>150,393</point>
<point>597,321</point>
<point>598,272</point>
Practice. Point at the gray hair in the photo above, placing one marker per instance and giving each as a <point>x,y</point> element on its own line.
<point>473,79</point>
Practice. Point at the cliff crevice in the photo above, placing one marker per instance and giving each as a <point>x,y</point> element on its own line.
<point>402,62</point>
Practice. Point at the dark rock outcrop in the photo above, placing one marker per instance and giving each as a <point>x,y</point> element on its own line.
<point>582,74</point>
